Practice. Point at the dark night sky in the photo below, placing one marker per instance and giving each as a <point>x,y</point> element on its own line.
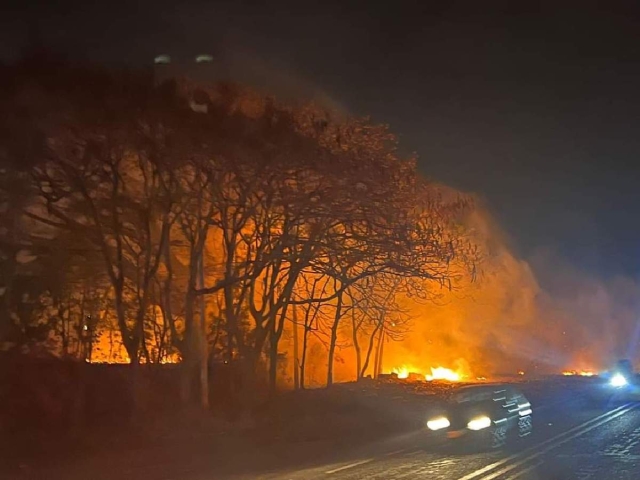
<point>534,108</point>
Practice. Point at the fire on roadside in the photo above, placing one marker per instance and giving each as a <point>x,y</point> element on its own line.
<point>441,373</point>
<point>581,373</point>
<point>402,372</point>
<point>437,373</point>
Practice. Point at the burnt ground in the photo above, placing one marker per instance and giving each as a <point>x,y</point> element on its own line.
<point>296,430</point>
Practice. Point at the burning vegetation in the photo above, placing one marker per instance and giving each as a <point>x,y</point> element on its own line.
<point>437,373</point>
<point>581,373</point>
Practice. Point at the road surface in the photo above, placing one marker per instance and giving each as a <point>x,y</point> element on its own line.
<point>574,439</point>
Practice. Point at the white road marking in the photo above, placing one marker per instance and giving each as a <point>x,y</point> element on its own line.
<point>495,465</point>
<point>351,465</point>
<point>415,452</point>
<point>395,452</point>
<point>526,470</point>
<point>413,472</point>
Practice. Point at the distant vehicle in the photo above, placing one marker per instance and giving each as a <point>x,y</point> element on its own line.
<point>622,376</point>
<point>625,367</point>
<point>489,416</point>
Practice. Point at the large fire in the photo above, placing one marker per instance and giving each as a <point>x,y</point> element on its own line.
<point>441,373</point>
<point>437,373</point>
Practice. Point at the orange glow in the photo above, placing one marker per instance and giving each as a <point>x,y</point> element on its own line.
<point>441,373</point>
<point>569,373</point>
<point>587,373</point>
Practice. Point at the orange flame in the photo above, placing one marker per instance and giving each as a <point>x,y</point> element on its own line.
<point>441,373</point>
<point>401,372</point>
<point>437,373</point>
<point>582,373</point>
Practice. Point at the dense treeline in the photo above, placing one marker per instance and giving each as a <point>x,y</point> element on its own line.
<point>205,223</point>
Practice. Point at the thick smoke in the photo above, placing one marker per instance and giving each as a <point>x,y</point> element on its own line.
<point>538,316</point>
<point>598,318</point>
<point>478,328</point>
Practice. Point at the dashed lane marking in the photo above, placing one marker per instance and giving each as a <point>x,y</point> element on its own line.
<point>350,465</point>
<point>395,452</point>
<point>525,470</point>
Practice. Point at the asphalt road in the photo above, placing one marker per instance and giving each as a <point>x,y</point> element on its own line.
<point>575,438</point>
<point>577,435</point>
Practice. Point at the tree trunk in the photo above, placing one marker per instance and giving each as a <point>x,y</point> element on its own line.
<point>303,360</point>
<point>334,339</point>
<point>278,322</point>
<point>63,329</point>
<point>231,321</point>
<point>129,342</point>
<point>308,322</point>
<point>296,373</point>
<point>83,335</point>
<point>372,340</point>
<point>204,370</point>
<point>190,345</point>
<point>356,345</point>
<point>379,351</point>
<point>381,358</point>
<point>167,293</point>
<point>273,361</point>
<point>141,336</point>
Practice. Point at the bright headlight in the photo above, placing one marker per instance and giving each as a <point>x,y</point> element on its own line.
<point>479,423</point>
<point>438,423</point>
<point>618,380</point>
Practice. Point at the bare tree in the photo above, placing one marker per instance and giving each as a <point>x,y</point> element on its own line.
<point>312,287</point>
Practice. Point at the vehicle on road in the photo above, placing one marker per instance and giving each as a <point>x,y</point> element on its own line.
<point>622,383</point>
<point>485,416</point>
<point>622,374</point>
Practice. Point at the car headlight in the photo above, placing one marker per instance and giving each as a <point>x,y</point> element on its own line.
<point>438,423</point>
<point>478,423</point>
<point>618,380</point>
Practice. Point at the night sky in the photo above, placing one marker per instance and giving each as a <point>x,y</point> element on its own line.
<point>534,108</point>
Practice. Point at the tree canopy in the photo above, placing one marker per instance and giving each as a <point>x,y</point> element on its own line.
<point>203,223</point>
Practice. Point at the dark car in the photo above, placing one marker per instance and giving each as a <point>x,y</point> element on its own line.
<point>487,415</point>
